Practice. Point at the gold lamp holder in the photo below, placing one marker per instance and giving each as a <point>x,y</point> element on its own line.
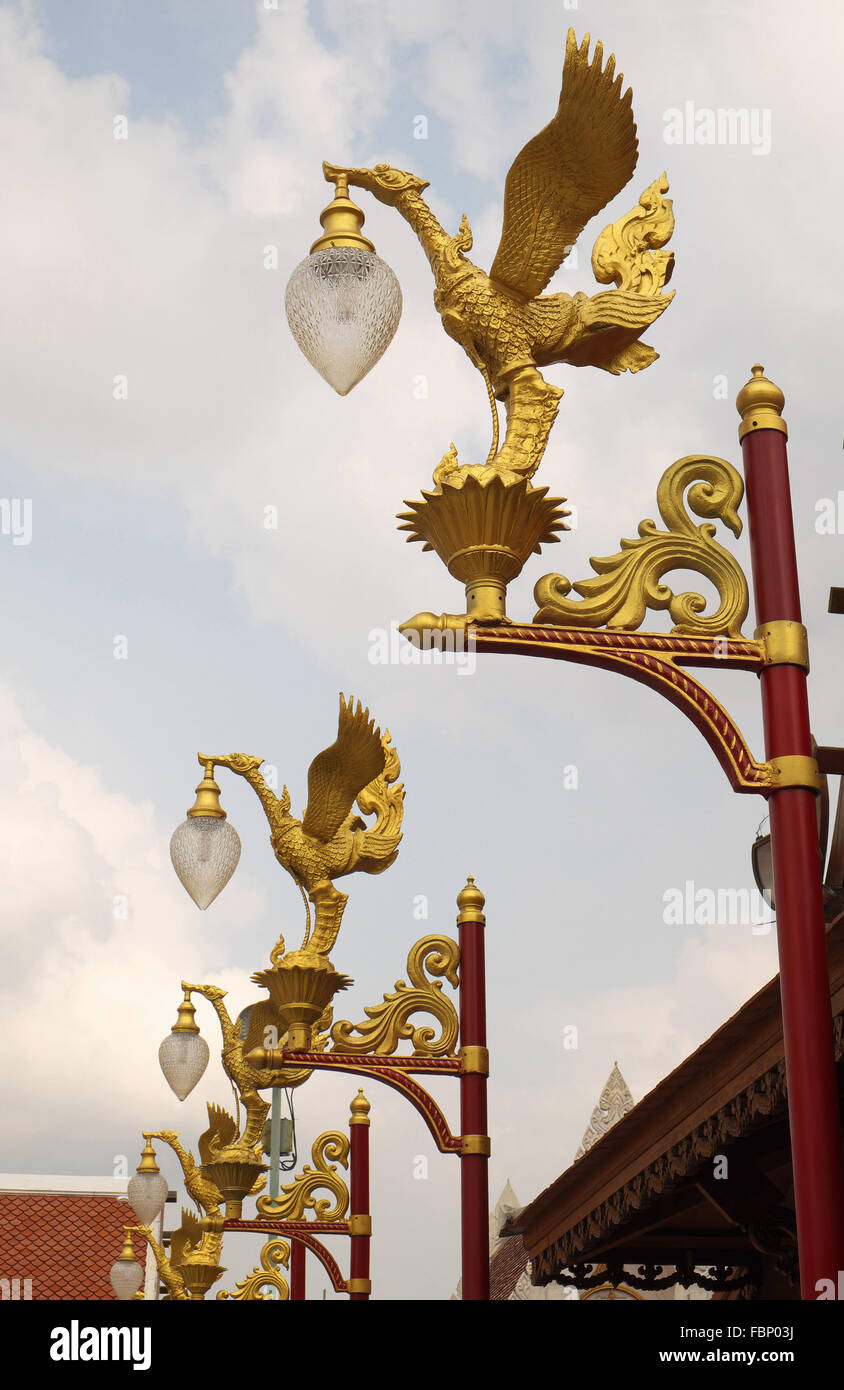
<point>207,795</point>
<point>341,221</point>
<point>148,1162</point>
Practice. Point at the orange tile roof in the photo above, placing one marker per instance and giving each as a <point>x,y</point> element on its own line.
<point>65,1243</point>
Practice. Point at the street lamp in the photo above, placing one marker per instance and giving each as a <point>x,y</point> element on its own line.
<point>183,1055</point>
<point>126,1273</point>
<point>343,302</point>
<point>147,1191</point>
<point>278,1042</point>
<point>485,519</point>
<point>205,849</point>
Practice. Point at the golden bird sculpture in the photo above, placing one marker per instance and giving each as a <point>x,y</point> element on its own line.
<point>509,329</point>
<point>332,839</point>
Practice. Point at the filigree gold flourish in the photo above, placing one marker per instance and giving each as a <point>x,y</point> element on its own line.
<point>275,1253</point>
<point>629,583</point>
<point>297,1197</point>
<point>389,1021</point>
<point>625,251</point>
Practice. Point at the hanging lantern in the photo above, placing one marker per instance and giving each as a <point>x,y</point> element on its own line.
<point>205,849</point>
<point>183,1055</point>
<point>343,302</point>
<point>126,1274</point>
<point>147,1191</point>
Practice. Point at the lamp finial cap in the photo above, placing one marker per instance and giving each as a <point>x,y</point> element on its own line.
<point>470,901</point>
<point>360,1109</point>
<point>760,404</point>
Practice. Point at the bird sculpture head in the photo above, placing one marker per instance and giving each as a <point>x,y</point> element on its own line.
<point>383,182</point>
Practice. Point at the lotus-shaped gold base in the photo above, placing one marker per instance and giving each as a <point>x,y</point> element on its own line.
<point>301,985</point>
<point>234,1171</point>
<point>483,529</point>
<point>199,1278</point>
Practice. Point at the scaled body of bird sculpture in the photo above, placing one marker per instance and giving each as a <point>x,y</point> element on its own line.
<point>332,840</point>
<point>503,321</point>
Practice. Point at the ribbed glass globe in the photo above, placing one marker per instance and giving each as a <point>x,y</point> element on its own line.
<point>147,1193</point>
<point>343,306</point>
<point>183,1058</point>
<point>126,1278</point>
<point>205,851</point>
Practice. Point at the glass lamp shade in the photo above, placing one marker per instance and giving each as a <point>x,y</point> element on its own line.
<point>763,869</point>
<point>126,1278</point>
<point>147,1193</point>
<point>205,851</point>
<point>343,306</point>
<point>183,1058</point>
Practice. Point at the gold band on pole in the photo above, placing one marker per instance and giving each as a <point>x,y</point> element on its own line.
<point>359,1286</point>
<point>474,1060</point>
<point>784,643</point>
<point>795,770</point>
<point>475,1144</point>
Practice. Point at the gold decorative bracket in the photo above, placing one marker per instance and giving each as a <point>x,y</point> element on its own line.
<point>656,660</point>
<point>389,1022</point>
<point>629,583</point>
<point>297,1197</point>
<point>274,1255</point>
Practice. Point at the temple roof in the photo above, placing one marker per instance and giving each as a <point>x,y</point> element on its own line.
<point>615,1100</point>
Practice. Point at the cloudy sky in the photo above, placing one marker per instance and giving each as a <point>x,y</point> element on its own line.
<point>143,258</point>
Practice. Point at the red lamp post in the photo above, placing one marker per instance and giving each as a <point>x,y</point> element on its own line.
<point>804,981</point>
<point>360,1221</point>
<point>297,1271</point>
<point>475,1145</point>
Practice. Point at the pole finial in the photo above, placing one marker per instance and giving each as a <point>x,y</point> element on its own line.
<point>760,404</point>
<point>360,1109</point>
<point>470,901</point>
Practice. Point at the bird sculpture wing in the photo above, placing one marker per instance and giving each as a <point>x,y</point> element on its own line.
<point>566,173</point>
<point>338,774</point>
<point>221,1128</point>
<point>189,1233</point>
